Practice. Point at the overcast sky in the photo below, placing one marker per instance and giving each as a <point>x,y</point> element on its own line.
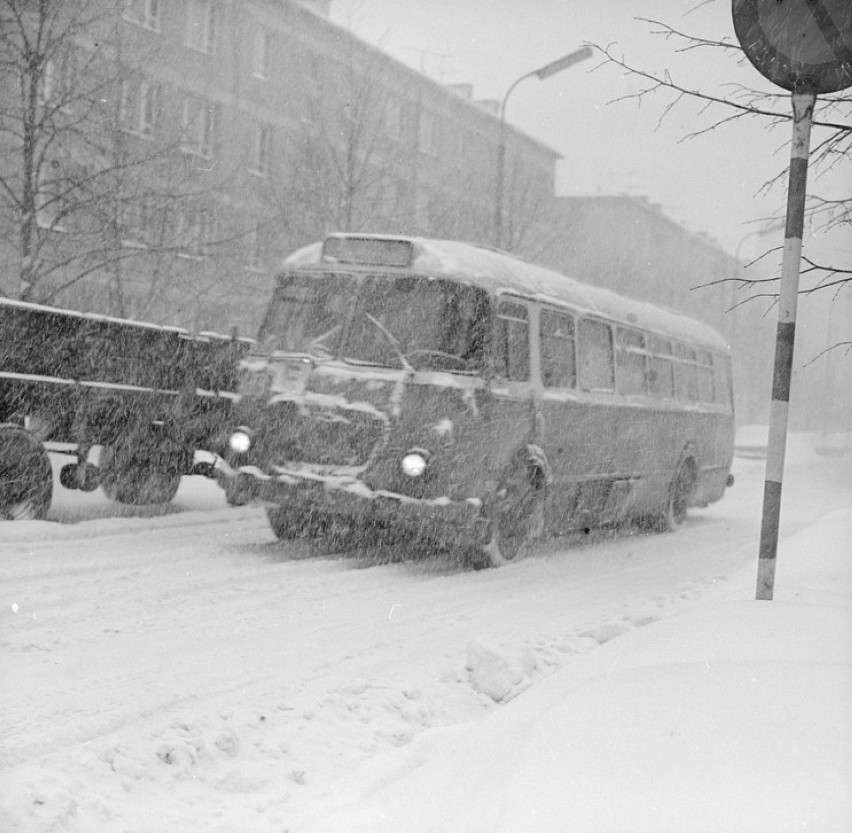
<point>711,183</point>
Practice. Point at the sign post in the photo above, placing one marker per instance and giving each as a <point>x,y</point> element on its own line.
<point>804,46</point>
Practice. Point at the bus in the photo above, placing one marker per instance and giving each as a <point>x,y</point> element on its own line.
<point>477,401</point>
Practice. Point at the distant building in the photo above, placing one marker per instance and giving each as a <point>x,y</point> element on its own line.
<point>627,244</point>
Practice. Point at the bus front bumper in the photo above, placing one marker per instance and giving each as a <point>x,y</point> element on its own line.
<point>442,520</point>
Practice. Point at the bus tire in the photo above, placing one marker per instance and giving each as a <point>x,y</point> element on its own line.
<point>679,497</point>
<point>130,479</point>
<point>289,523</point>
<point>517,517</point>
<point>285,523</point>
<point>26,476</point>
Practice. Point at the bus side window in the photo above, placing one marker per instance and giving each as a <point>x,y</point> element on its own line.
<point>723,386</point>
<point>558,363</point>
<point>596,369</point>
<point>686,374</point>
<point>630,361</point>
<point>706,386</point>
<point>512,342</point>
<point>660,370</point>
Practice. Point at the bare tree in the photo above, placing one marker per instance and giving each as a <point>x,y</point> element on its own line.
<point>831,153</point>
<point>103,194</point>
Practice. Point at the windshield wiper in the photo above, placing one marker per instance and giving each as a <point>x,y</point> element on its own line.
<point>393,342</point>
<point>316,344</point>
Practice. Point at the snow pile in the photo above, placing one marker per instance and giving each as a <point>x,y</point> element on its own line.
<point>732,716</point>
<point>498,671</point>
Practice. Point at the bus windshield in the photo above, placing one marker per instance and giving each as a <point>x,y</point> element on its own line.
<point>307,315</point>
<point>421,323</point>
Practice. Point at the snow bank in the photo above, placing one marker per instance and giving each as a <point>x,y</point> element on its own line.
<point>732,716</point>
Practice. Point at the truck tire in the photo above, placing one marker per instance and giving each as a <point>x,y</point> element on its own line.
<point>139,477</point>
<point>26,477</point>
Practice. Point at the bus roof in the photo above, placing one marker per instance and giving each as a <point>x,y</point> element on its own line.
<point>501,273</point>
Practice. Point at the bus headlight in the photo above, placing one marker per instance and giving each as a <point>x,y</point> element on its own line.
<point>415,461</point>
<point>240,441</point>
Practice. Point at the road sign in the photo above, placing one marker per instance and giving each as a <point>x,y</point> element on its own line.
<point>800,45</point>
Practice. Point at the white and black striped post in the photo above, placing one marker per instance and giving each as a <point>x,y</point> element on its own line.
<point>803,107</point>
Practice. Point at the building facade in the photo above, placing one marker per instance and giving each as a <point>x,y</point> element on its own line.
<point>202,140</point>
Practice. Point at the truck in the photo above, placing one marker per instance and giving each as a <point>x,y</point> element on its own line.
<point>131,402</point>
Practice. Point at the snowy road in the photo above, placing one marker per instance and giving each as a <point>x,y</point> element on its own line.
<point>142,654</point>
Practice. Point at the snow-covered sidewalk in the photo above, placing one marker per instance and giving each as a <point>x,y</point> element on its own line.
<point>735,715</point>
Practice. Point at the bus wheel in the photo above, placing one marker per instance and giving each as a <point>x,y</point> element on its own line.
<point>679,498</point>
<point>126,478</point>
<point>26,477</point>
<point>285,524</point>
<point>288,523</point>
<point>517,517</point>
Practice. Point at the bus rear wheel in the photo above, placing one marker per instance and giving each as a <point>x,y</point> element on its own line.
<point>26,477</point>
<point>679,497</point>
<point>517,517</point>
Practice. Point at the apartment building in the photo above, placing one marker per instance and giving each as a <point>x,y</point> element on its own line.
<point>203,140</point>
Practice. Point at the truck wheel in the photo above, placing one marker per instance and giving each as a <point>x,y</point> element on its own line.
<point>26,477</point>
<point>517,517</point>
<point>127,477</point>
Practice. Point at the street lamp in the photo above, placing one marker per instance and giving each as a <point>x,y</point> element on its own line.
<point>544,72</point>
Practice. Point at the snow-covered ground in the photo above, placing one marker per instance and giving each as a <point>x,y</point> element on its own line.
<point>182,670</point>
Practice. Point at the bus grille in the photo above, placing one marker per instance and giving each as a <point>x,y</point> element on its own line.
<point>319,436</point>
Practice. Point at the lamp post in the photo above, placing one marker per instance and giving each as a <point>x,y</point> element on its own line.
<point>542,73</point>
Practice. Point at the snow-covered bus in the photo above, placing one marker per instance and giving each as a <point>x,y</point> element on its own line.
<point>481,402</point>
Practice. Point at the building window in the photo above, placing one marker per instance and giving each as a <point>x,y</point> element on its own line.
<point>194,231</point>
<point>262,150</point>
<point>136,224</point>
<point>140,106</point>
<point>59,85</point>
<point>201,28</point>
<point>260,53</point>
<point>145,13</point>
<point>52,201</point>
<point>200,127</point>
<point>255,251</point>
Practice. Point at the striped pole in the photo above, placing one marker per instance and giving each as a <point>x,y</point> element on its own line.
<point>803,108</point>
